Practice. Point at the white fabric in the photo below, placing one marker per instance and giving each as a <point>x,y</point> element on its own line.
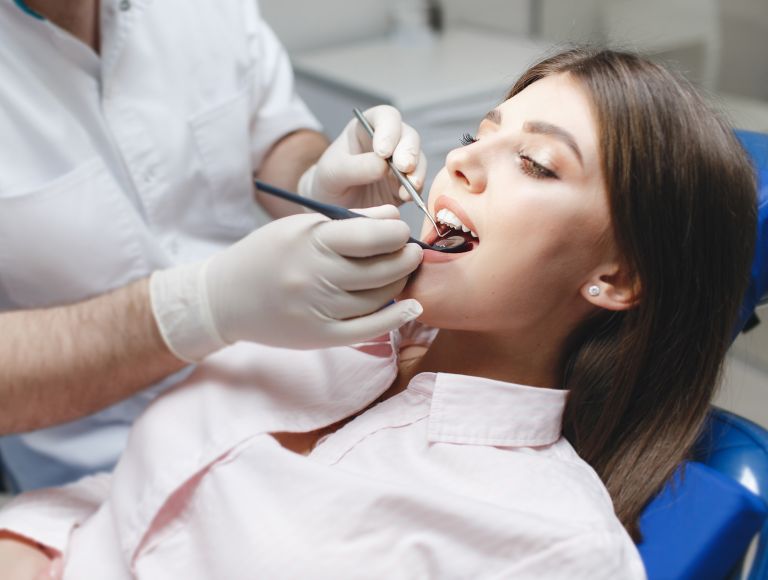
<point>118,165</point>
<point>456,477</point>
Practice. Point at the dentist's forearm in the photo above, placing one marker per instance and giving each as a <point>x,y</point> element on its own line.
<point>61,363</point>
<point>285,163</point>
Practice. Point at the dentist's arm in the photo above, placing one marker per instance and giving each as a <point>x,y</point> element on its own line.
<point>284,165</point>
<point>57,364</point>
<point>302,282</point>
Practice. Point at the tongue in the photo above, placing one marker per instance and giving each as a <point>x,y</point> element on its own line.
<point>448,237</point>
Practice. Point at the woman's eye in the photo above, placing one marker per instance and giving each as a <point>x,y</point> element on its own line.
<point>467,139</point>
<point>535,170</point>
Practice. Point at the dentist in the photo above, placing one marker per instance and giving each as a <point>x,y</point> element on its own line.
<point>129,238</point>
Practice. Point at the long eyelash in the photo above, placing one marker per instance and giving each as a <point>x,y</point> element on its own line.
<point>467,139</point>
<point>534,169</point>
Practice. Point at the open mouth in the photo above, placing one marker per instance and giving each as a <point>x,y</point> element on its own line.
<point>450,228</point>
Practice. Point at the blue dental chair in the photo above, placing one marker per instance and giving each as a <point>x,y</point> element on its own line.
<point>702,523</point>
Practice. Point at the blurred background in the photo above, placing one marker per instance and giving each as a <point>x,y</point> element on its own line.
<point>444,63</point>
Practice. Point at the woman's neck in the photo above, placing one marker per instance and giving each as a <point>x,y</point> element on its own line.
<point>526,362</point>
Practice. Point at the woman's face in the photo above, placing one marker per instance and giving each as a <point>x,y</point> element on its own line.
<point>531,187</point>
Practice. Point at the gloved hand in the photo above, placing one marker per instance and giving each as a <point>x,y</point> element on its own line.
<point>302,281</point>
<point>353,172</point>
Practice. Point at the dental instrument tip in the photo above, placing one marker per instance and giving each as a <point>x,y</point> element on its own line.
<point>407,185</point>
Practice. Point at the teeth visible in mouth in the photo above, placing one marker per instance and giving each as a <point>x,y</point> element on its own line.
<point>447,217</point>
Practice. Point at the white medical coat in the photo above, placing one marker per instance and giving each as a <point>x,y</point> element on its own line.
<point>118,164</point>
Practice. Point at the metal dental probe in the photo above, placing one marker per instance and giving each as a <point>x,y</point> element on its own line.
<point>399,174</point>
<point>450,245</point>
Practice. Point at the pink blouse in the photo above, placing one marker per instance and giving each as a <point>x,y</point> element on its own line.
<point>455,477</point>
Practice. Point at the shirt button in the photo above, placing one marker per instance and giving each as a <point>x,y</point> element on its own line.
<point>125,5</point>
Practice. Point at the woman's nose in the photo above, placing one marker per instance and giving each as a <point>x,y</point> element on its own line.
<point>465,166</point>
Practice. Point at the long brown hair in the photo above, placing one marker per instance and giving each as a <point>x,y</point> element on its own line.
<point>682,202</point>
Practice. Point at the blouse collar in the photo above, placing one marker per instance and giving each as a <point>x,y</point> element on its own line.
<point>474,410</point>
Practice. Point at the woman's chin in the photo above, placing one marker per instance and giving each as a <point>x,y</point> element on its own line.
<point>429,302</point>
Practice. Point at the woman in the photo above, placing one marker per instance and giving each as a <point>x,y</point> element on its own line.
<point>612,217</point>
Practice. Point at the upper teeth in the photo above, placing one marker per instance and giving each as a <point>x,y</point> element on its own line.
<point>447,217</point>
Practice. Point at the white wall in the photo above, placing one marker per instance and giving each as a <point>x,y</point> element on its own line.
<point>305,24</point>
<point>570,21</point>
<point>744,69</point>
<point>512,16</point>
<point>743,37</point>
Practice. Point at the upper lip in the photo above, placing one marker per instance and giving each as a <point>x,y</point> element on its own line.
<point>449,203</point>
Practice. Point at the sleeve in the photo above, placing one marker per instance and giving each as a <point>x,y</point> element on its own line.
<point>276,108</point>
<point>48,516</point>
<point>591,556</point>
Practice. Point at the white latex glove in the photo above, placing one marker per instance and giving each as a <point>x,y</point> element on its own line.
<point>353,172</point>
<point>302,281</point>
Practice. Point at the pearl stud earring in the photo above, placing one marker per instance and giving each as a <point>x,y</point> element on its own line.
<point>593,290</point>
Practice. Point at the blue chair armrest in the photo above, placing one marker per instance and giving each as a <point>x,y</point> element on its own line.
<point>699,526</point>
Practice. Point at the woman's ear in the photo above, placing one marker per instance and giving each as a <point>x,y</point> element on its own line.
<point>612,287</point>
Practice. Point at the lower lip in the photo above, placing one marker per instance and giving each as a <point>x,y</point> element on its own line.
<point>433,256</point>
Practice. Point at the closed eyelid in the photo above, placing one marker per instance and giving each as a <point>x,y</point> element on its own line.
<point>494,117</point>
<point>560,134</point>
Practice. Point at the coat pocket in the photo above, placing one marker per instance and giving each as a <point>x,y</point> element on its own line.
<point>68,239</point>
<point>222,138</point>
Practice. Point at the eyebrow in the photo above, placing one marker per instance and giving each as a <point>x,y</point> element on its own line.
<point>494,116</point>
<point>541,128</point>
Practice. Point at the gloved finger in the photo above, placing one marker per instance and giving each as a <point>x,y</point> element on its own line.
<point>345,305</point>
<point>376,324</point>
<point>363,237</point>
<point>386,189</point>
<point>387,126</point>
<point>356,137</point>
<point>359,169</point>
<point>416,178</point>
<point>368,273</point>
<point>407,150</point>
<point>387,211</point>
<point>297,221</point>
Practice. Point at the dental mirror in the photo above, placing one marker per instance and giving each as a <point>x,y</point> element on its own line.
<point>449,245</point>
